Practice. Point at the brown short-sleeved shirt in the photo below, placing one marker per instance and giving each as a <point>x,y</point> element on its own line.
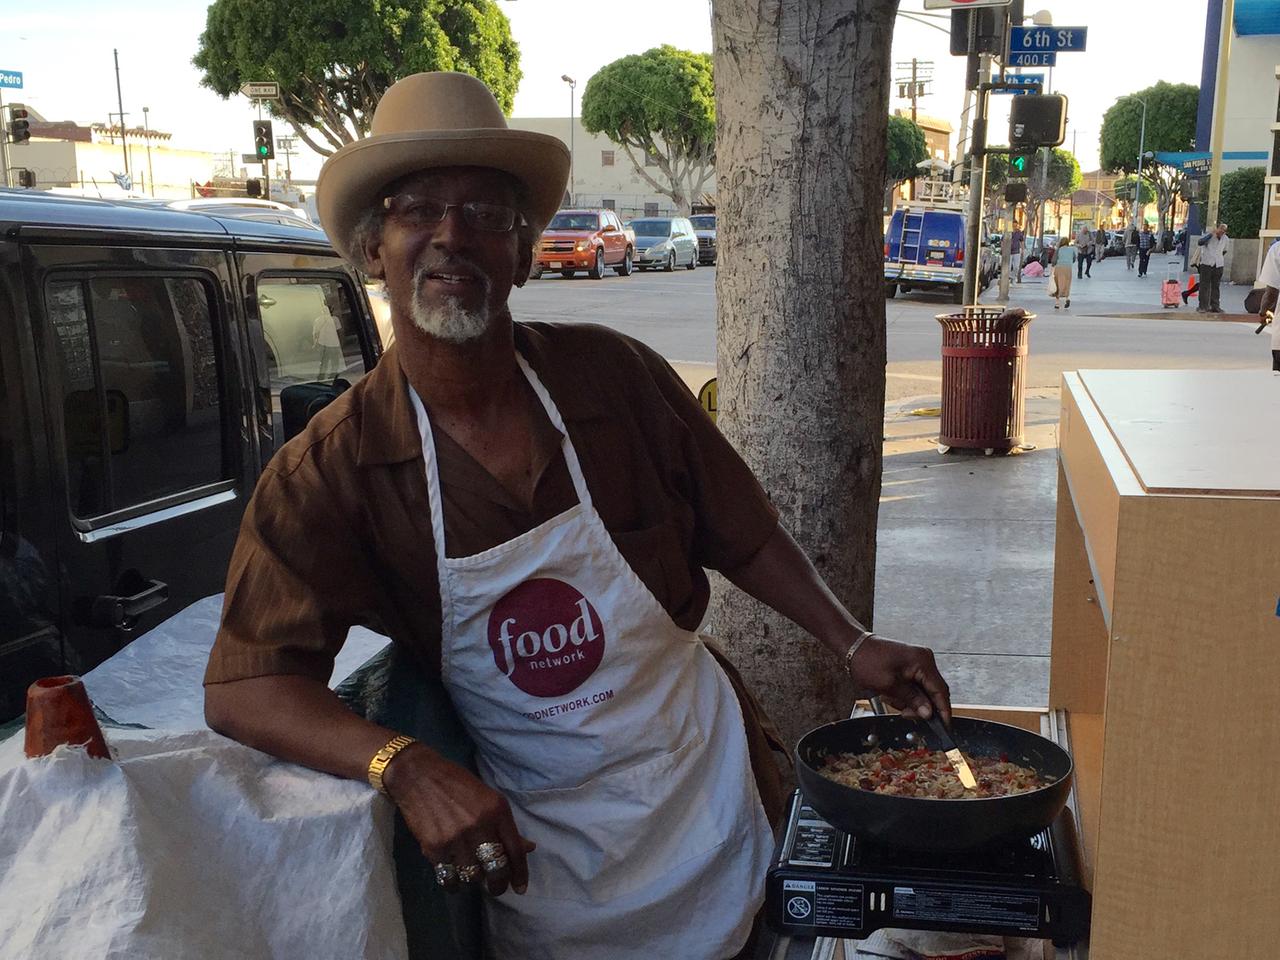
<point>338,532</point>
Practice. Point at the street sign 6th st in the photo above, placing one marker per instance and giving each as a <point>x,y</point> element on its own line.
<point>1061,39</point>
<point>1028,80</point>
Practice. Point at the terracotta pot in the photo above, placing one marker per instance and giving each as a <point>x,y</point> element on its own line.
<point>58,712</point>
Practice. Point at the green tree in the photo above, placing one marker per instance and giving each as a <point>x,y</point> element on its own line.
<point>905,149</point>
<point>1241,200</point>
<point>660,103</point>
<point>334,58</point>
<point>1171,126</point>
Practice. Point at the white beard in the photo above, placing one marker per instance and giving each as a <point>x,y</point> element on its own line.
<point>449,320</point>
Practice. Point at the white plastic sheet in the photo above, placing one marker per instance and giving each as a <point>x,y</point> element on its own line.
<point>191,847</point>
<point>156,680</point>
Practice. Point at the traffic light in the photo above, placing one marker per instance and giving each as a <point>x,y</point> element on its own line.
<point>1019,166</point>
<point>19,126</point>
<point>263,143</point>
<point>1015,191</point>
<point>253,188</point>
<point>1037,120</point>
<point>26,178</point>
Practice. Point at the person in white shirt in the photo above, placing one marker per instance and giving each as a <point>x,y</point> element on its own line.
<point>1269,280</point>
<point>1214,247</point>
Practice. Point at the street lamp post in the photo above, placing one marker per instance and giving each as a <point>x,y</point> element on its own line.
<point>146,132</point>
<point>572,84</point>
<point>1142,146</point>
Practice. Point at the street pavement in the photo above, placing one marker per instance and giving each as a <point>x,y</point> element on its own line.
<point>965,542</point>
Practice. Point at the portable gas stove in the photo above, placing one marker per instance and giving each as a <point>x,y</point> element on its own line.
<point>828,883</point>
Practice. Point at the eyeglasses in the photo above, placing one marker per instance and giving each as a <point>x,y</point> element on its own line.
<point>414,210</point>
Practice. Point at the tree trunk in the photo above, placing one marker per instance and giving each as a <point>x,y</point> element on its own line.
<point>801,117</point>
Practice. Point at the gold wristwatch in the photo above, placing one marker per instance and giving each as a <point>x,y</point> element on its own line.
<point>382,759</point>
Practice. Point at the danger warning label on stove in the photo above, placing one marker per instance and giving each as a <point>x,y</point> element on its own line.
<point>823,903</point>
<point>937,905</point>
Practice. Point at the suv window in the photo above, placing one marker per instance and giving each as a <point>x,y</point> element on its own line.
<point>312,333</point>
<point>143,412</point>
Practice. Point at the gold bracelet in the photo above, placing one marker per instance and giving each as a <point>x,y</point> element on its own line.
<point>382,759</point>
<point>853,649</point>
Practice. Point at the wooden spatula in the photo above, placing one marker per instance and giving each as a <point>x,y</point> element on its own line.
<point>958,763</point>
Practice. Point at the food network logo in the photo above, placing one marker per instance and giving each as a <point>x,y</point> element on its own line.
<point>546,637</point>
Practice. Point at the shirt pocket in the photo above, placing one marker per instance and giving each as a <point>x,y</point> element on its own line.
<point>625,830</point>
<point>659,558</point>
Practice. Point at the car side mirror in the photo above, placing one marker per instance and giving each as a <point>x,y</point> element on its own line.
<point>302,401</point>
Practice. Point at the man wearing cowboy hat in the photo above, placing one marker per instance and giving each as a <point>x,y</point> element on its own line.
<point>529,509</point>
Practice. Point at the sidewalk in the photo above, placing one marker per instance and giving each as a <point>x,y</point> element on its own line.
<point>965,553</point>
<point>1114,291</point>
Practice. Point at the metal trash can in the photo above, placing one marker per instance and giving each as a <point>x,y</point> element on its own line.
<point>984,357</point>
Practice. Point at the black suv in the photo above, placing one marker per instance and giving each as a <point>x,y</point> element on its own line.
<point>151,362</point>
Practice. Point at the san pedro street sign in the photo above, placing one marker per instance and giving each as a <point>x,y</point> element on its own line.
<point>1060,39</point>
<point>261,90</point>
<point>11,79</point>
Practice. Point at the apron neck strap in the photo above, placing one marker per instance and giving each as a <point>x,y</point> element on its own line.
<point>566,445</point>
<point>432,469</point>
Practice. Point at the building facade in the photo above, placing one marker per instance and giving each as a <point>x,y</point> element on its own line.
<point>603,174</point>
<point>90,158</point>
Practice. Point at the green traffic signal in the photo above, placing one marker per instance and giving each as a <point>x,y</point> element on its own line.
<point>1020,164</point>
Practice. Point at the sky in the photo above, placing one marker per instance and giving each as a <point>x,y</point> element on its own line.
<point>64,49</point>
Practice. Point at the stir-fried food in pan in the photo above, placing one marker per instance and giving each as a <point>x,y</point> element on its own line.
<point>927,773</point>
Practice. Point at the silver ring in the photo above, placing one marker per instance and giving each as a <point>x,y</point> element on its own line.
<point>496,865</point>
<point>446,874</point>
<point>470,873</point>
<point>490,850</point>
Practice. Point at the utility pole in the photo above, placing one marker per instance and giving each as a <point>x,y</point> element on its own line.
<point>286,144</point>
<point>977,181</point>
<point>4,143</point>
<point>120,103</point>
<point>912,88</point>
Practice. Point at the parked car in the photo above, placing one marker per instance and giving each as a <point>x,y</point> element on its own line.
<point>924,248</point>
<point>152,361</point>
<point>591,240</point>
<point>666,242</point>
<point>704,227</point>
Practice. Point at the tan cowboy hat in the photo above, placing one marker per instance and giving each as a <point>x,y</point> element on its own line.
<point>430,120</point>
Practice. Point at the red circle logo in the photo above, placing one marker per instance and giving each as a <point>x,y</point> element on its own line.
<point>546,637</point>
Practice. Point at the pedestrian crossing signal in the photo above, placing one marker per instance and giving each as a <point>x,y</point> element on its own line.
<point>263,144</point>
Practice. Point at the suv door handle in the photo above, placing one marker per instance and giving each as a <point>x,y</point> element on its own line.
<point>123,612</point>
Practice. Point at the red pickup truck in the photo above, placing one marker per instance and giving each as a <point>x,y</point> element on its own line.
<point>590,240</point>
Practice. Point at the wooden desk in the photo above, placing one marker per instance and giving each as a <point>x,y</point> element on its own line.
<point>1166,655</point>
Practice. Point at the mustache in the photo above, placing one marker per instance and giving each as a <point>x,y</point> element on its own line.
<point>450,264</point>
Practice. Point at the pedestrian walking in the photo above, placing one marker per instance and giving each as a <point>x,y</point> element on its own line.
<point>1146,245</point>
<point>1015,253</point>
<point>1131,245</point>
<point>1269,280</point>
<point>1060,279</point>
<point>1084,250</point>
<point>1099,245</point>
<point>1214,247</point>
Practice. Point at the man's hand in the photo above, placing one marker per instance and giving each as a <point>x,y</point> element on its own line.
<point>451,812</point>
<point>903,676</point>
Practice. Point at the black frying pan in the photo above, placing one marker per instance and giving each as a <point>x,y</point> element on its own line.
<point>921,824</point>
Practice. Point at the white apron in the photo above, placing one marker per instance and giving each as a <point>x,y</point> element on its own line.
<point>614,734</point>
